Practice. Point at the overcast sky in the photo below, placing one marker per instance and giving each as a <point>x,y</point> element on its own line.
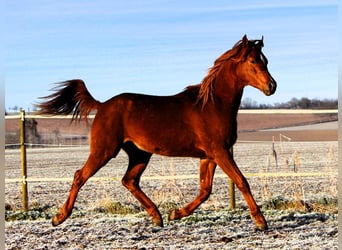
<point>160,47</point>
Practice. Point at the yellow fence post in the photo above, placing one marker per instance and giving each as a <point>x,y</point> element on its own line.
<point>23,161</point>
<point>231,188</point>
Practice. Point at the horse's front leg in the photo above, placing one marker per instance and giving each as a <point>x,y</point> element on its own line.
<point>207,170</point>
<point>225,160</point>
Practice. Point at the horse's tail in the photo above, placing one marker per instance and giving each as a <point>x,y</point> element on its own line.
<point>70,97</point>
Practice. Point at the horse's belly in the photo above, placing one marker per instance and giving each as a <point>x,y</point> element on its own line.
<point>169,147</point>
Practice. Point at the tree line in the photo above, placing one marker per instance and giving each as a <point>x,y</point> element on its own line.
<point>294,103</point>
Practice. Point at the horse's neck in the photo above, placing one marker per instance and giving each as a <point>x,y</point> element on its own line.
<point>228,93</point>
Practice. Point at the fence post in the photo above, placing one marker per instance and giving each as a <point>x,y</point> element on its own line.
<point>23,161</point>
<point>231,188</point>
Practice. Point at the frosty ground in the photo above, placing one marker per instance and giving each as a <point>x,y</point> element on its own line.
<point>307,219</point>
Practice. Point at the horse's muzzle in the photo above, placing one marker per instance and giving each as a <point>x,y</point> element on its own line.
<point>272,86</point>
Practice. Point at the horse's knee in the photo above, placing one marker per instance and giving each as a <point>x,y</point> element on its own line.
<point>125,182</point>
<point>130,184</point>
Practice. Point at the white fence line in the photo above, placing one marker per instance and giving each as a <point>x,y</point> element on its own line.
<point>171,177</point>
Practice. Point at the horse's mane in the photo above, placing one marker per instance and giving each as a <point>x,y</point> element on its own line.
<point>205,88</point>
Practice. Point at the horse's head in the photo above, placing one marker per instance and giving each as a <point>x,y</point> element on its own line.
<point>251,66</point>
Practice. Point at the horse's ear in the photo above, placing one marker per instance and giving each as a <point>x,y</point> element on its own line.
<point>259,43</point>
<point>244,40</point>
<point>262,41</point>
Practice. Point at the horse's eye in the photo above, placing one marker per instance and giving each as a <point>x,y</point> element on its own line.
<point>253,61</point>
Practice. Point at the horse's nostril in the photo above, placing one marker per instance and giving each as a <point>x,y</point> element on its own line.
<point>273,86</point>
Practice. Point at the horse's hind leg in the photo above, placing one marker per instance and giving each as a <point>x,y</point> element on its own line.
<point>138,161</point>
<point>94,163</point>
<point>207,170</point>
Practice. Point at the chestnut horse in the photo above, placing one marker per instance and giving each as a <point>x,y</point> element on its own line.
<point>198,122</point>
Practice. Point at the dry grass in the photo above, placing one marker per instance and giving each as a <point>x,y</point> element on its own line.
<point>294,194</point>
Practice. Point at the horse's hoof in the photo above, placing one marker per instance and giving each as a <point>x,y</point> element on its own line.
<point>174,214</point>
<point>158,222</point>
<point>56,220</point>
<point>261,226</point>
